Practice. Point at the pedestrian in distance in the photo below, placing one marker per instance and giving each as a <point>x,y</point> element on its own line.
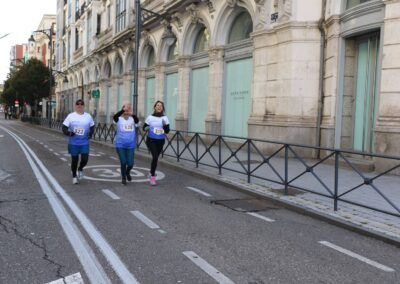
<point>157,125</point>
<point>5,113</point>
<point>79,126</point>
<point>125,140</point>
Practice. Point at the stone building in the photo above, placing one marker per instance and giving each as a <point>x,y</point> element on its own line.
<point>316,72</point>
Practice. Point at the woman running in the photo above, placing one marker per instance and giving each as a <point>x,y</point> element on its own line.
<point>79,126</point>
<point>157,125</point>
<point>125,140</point>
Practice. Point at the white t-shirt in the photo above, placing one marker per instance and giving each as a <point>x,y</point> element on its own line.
<point>156,124</point>
<point>80,125</point>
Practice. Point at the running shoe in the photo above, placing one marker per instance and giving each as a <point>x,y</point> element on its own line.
<point>128,176</point>
<point>124,181</point>
<point>80,175</point>
<point>153,180</point>
<point>75,180</point>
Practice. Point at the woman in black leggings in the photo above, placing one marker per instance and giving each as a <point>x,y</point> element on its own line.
<point>157,125</point>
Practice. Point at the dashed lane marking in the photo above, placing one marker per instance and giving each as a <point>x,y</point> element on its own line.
<point>145,220</point>
<point>260,217</point>
<point>71,279</point>
<point>111,194</point>
<point>208,268</point>
<point>357,256</point>
<point>198,191</point>
<point>63,159</point>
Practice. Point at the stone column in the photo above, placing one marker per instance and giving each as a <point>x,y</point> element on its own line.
<point>215,90</point>
<point>159,70</point>
<point>183,93</point>
<point>141,93</point>
<point>388,117</point>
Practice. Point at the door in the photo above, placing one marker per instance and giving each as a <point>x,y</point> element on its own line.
<point>365,93</point>
<point>198,100</point>
<point>171,97</point>
<point>150,96</point>
<point>237,97</point>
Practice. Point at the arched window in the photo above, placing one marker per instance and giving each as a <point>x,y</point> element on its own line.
<point>118,66</point>
<point>151,57</point>
<point>173,52</point>
<point>107,70</point>
<point>241,28</point>
<point>202,40</point>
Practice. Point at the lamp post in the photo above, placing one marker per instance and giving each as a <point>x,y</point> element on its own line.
<point>168,36</point>
<point>49,34</point>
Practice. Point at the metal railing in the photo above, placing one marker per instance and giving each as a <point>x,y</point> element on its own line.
<point>338,175</point>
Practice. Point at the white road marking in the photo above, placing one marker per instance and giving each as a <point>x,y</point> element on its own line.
<point>198,191</point>
<point>56,154</point>
<point>107,251</point>
<point>1,136</point>
<point>357,256</point>
<point>51,150</point>
<point>86,256</point>
<point>162,231</point>
<point>260,216</point>
<point>111,194</point>
<point>208,268</point>
<point>101,153</point>
<point>46,146</point>
<point>63,159</point>
<point>111,157</point>
<point>71,279</point>
<point>145,220</point>
<point>4,175</point>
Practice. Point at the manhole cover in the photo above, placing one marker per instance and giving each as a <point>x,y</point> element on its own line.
<point>247,205</point>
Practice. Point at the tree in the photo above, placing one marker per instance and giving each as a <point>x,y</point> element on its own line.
<point>28,83</point>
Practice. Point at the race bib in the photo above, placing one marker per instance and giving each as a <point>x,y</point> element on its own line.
<point>79,131</point>
<point>158,131</point>
<point>127,127</point>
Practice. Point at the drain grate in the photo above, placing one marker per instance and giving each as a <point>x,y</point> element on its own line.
<point>246,205</point>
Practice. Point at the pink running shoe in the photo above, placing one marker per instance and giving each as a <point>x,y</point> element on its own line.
<point>153,180</point>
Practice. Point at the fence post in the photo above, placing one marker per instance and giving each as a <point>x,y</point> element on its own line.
<point>335,196</point>
<point>197,150</point>
<point>219,155</point>
<point>177,145</point>
<point>286,167</point>
<point>248,160</point>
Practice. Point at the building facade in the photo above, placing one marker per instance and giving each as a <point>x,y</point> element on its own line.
<point>18,54</point>
<point>317,74</point>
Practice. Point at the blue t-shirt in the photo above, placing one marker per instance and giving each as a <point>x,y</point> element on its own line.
<point>126,133</point>
<point>80,125</point>
<point>155,123</point>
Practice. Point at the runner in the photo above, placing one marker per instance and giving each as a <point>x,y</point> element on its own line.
<point>79,126</point>
<point>125,140</point>
<point>157,125</point>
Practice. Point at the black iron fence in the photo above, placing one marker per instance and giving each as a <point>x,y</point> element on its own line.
<point>343,176</point>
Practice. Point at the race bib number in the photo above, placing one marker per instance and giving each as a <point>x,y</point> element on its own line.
<point>128,127</point>
<point>158,131</point>
<point>79,131</point>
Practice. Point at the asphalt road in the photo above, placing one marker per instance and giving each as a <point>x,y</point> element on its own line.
<point>184,230</point>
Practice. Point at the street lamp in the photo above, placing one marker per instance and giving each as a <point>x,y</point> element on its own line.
<point>168,36</point>
<point>49,33</point>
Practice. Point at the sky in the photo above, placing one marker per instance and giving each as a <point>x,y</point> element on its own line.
<point>19,18</point>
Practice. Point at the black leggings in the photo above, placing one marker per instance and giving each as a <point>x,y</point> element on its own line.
<point>155,147</point>
<point>74,163</point>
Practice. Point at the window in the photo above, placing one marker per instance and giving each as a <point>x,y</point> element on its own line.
<point>202,40</point>
<point>77,14</point>
<point>69,11</point>
<point>98,26</point>
<point>76,39</point>
<point>150,59</point>
<point>173,52</point>
<point>120,15</point>
<point>352,3</point>
<point>241,28</point>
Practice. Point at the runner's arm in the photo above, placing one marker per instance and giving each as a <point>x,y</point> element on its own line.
<point>117,115</point>
<point>66,131</point>
<point>166,128</point>
<point>145,126</point>
<point>91,131</point>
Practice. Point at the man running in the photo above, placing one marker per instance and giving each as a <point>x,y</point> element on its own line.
<point>79,126</point>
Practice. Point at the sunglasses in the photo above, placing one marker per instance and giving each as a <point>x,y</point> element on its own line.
<point>80,104</point>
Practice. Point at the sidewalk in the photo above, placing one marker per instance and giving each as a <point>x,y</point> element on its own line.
<point>366,221</point>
